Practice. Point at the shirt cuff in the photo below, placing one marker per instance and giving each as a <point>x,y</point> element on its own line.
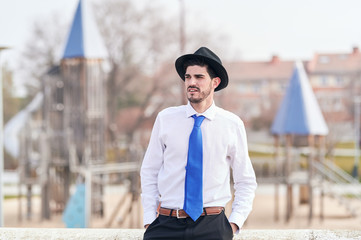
<point>149,217</point>
<point>238,219</point>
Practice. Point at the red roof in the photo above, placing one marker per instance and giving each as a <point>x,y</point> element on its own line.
<point>335,63</point>
<point>275,69</point>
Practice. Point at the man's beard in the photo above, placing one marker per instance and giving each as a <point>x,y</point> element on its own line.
<point>203,95</point>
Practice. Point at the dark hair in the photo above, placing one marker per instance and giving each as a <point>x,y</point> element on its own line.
<point>199,62</point>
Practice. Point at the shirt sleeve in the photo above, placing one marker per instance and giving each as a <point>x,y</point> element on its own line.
<point>244,179</point>
<point>152,162</point>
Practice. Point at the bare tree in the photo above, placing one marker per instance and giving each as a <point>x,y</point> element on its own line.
<point>42,51</point>
<point>140,40</point>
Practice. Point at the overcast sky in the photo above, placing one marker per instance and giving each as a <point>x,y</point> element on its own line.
<point>257,29</point>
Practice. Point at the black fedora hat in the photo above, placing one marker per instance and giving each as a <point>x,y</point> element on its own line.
<point>208,57</point>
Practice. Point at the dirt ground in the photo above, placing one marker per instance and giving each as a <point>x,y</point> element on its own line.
<point>262,216</point>
<point>335,215</point>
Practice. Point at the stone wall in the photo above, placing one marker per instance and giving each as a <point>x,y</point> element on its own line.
<point>132,234</point>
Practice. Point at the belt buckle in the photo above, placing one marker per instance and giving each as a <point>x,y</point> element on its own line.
<point>178,214</point>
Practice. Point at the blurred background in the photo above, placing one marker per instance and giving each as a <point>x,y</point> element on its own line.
<point>83,81</point>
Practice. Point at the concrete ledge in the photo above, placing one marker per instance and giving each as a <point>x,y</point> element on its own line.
<point>130,234</point>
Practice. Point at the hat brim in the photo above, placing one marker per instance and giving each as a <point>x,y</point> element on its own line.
<point>219,70</point>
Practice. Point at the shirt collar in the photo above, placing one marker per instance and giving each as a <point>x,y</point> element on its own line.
<point>210,113</point>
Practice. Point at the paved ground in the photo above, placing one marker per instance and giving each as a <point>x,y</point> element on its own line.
<point>336,215</point>
<point>262,217</point>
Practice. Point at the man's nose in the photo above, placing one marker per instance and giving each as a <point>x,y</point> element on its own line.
<point>191,80</point>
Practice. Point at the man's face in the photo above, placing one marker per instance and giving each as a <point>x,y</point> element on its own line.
<point>199,85</point>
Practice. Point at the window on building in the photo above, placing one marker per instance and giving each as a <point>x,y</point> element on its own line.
<point>241,88</point>
<point>324,59</point>
<point>324,81</point>
<point>257,87</point>
<point>337,104</point>
<point>343,56</point>
<point>326,105</point>
<point>339,81</point>
<point>282,86</point>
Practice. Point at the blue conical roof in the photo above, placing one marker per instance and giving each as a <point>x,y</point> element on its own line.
<point>299,112</point>
<point>84,40</point>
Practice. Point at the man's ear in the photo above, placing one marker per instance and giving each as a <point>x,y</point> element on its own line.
<point>216,82</point>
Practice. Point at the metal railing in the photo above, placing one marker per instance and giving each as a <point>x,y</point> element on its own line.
<point>339,185</point>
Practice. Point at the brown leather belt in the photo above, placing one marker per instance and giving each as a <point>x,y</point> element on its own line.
<point>179,213</point>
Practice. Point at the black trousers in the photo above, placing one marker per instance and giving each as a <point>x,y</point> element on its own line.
<point>208,227</point>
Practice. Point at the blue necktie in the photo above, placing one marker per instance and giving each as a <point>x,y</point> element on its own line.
<point>193,199</point>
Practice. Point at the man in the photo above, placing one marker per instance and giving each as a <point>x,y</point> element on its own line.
<point>185,174</point>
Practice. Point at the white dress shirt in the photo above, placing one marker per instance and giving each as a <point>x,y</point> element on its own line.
<point>224,147</point>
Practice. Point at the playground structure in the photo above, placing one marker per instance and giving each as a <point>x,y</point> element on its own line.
<point>64,140</point>
<point>299,132</point>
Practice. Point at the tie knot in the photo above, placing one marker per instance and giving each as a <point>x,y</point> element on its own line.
<point>198,120</point>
